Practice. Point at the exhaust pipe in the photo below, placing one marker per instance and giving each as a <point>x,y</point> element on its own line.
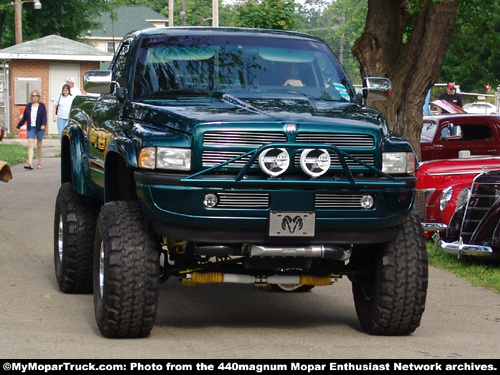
<point>313,251</point>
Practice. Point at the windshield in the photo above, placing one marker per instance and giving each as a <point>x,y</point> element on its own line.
<point>428,131</point>
<point>195,65</point>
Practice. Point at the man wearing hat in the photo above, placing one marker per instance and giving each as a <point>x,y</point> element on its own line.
<point>74,90</point>
<point>450,96</point>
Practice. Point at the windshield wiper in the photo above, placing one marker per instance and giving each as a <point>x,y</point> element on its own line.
<point>233,100</point>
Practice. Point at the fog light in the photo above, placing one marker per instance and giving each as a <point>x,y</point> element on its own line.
<point>315,162</point>
<point>274,161</point>
<point>210,200</point>
<point>367,201</point>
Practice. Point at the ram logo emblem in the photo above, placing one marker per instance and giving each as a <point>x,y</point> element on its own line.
<point>291,225</point>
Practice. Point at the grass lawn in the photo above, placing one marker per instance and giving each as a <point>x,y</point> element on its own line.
<point>479,272</point>
<point>13,154</point>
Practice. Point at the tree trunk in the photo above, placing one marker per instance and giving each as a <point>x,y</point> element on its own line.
<point>414,65</point>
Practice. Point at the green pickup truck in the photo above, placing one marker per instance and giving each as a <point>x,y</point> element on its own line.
<point>226,155</point>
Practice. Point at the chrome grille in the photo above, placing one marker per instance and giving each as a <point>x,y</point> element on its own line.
<point>337,139</point>
<point>482,197</point>
<point>421,199</point>
<point>212,158</point>
<point>335,162</point>
<point>242,200</point>
<point>251,139</point>
<point>242,138</point>
<point>338,201</point>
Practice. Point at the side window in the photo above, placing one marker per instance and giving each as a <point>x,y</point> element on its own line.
<point>120,64</point>
<point>476,133</point>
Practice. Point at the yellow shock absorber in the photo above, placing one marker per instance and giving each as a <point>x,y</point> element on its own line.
<point>315,280</point>
<point>206,278</point>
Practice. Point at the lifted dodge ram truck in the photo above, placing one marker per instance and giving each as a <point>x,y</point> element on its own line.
<point>223,155</point>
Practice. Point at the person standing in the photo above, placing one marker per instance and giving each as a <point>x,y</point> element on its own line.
<point>70,81</point>
<point>35,116</point>
<point>451,96</point>
<point>62,106</point>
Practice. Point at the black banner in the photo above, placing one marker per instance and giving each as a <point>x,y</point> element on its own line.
<point>234,366</point>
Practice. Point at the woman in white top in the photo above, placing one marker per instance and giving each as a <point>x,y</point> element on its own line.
<point>62,106</point>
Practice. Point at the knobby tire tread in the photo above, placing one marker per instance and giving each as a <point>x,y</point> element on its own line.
<point>128,305</point>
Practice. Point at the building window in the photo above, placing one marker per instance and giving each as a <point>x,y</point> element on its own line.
<point>110,47</point>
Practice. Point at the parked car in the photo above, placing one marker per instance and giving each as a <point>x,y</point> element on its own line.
<point>474,228</point>
<point>481,107</point>
<point>440,183</point>
<point>449,136</point>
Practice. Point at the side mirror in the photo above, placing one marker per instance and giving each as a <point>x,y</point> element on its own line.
<point>98,81</point>
<point>375,89</point>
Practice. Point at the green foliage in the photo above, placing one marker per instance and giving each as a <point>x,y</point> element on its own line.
<point>482,273</point>
<point>266,14</point>
<point>68,19</point>
<point>339,23</point>
<point>473,57</point>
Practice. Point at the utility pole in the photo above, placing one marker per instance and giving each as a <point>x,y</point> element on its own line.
<point>18,17</point>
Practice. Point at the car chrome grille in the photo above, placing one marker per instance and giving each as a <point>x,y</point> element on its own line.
<point>242,200</point>
<point>249,140</point>
<point>241,138</point>
<point>421,199</point>
<point>338,139</point>
<point>338,201</point>
<point>482,197</point>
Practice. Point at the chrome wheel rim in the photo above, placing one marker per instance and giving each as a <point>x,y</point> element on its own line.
<point>60,236</point>
<point>101,270</point>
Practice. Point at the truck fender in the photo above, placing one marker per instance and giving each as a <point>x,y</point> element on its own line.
<point>74,160</point>
<point>120,163</point>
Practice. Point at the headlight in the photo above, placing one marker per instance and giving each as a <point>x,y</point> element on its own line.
<point>463,198</point>
<point>445,198</point>
<point>398,162</point>
<point>178,159</point>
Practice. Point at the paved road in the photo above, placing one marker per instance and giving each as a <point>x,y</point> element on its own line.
<point>211,322</point>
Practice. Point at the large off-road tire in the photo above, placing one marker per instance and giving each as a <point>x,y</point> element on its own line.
<point>126,271</point>
<point>74,231</point>
<point>390,297</point>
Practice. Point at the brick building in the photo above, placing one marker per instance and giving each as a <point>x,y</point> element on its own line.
<point>43,64</point>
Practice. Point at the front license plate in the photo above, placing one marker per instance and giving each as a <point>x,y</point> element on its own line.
<point>292,224</point>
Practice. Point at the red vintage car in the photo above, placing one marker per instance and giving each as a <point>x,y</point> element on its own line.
<point>452,135</point>
<point>439,184</point>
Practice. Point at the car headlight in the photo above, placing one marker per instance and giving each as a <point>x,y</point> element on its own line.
<point>463,198</point>
<point>178,159</point>
<point>445,198</point>
<point>398,162</point>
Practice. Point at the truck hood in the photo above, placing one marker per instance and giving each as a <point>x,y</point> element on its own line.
<point>184,114</point>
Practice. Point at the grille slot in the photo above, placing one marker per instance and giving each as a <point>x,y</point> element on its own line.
<point>338,139</point>
<point>242,200</point>
<point>242,138</point>
<point>338,201</point>
<point>335,162</point>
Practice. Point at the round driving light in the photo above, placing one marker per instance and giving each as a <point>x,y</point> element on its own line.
<point>367,201</point>
<point>210,200</point>
<point>314,161</point>
<point>274,161</point>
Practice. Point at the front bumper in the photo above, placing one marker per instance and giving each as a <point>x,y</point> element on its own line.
<point>176,204</point>
<point>459,248</point>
